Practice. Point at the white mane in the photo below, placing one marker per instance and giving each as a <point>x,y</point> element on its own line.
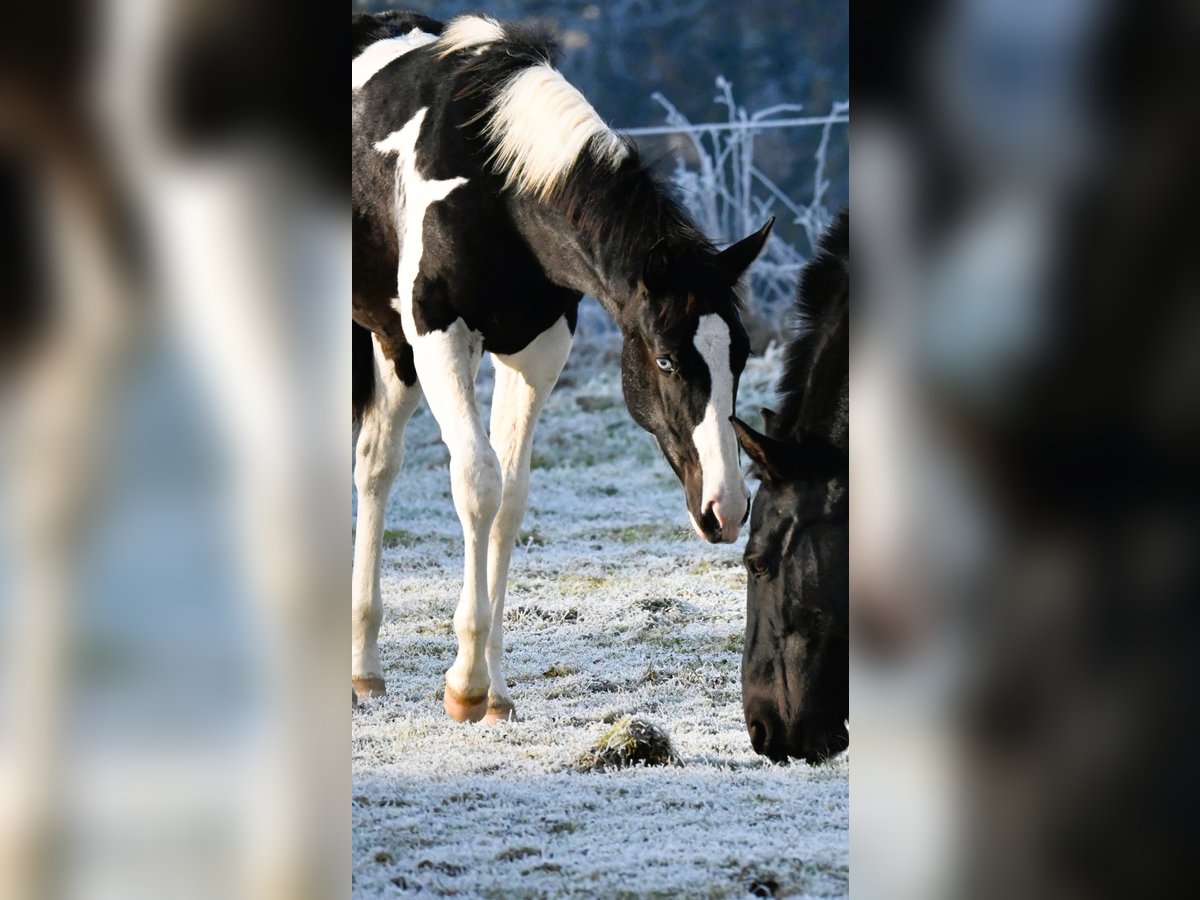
<point>466,32</point>
<point>539,124</point>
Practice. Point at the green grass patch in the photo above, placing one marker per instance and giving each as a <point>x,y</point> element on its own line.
<point>571,584</point>
<point>512,854</point>
<point>734,643</point>
<point>531,538</point>
<point>641,534</point>
<point>398,537</point>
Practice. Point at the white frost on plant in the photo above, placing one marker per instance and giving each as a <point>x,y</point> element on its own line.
<point>614,608</point>
<point>730,196</point>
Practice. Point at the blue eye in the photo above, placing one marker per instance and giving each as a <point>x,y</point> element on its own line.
<point>665,364</point>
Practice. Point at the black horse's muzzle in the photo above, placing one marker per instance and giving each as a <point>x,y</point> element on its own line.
<point>807,739</point>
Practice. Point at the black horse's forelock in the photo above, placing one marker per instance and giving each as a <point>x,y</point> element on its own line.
<point>819,307</point>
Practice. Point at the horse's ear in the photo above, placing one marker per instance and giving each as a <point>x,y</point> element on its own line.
<point>656,267</point>
<point>736,258</point>
<point>769,455</point>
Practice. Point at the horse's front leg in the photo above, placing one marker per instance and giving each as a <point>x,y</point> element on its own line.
<point>523,382</point>
<point>446,363</point>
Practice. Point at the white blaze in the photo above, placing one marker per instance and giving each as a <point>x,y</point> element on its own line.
<point>716,444</point>
<point>368,63</point>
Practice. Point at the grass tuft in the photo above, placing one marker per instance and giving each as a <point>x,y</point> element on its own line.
<point>630,741</point>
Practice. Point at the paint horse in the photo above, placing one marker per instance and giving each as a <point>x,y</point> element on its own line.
<point>795,682</point>
<point>488,196</point>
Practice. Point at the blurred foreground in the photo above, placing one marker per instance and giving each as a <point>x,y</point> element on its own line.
<point>1025,393</point>
<point>173,453</point>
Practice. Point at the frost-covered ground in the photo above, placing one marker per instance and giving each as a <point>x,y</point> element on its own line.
<point>614,606</point>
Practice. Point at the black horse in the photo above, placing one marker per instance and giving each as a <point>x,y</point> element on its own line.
<point>794,667</point>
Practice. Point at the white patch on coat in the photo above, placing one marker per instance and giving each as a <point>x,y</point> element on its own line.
<point>467,32</point>
<point>368,63</point>
<point>414,196</point>
<point>538,125</point>
<point>716,443</point>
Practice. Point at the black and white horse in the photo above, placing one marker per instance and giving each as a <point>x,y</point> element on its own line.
<point>795,663</point>
<point>488,197</point>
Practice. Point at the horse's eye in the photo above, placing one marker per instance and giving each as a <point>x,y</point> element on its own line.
<point>666,364</point>
<point>757,566</point>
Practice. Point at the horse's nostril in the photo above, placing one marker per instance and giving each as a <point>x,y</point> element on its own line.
<point>760,736</point>
<point>709,522</point>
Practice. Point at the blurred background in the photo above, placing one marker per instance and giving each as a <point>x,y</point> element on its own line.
<point>1024,415</point>
<point>173,448</point>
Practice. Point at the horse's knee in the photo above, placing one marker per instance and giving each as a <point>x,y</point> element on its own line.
<point>477,484</point>
<point>376,464</point>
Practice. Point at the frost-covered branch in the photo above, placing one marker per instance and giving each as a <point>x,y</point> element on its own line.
<point>730,196</point>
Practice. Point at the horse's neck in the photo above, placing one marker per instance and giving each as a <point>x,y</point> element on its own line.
<point>572,261</point>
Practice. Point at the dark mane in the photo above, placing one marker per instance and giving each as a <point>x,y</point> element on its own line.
<point>821,310</point>
<point>630,210</point>
<point>367,28</point>
<point>627,211</point>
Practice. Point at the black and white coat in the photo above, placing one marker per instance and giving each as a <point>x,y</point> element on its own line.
<point>488,196</point>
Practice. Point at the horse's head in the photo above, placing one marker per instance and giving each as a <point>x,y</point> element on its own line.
<point>684,352</point>
<point>794,665</point>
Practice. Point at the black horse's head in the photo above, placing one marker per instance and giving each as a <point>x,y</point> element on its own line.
<point>685,348</point>
<point>794,665</point>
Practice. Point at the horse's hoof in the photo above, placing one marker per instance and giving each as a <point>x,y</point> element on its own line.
<point>500,712</point>
<point>464,709</point>
<point>369,687</point>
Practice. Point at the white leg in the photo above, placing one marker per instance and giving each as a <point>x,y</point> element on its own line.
<point>446,364</point>
<point>379,453</point>
<point>523,382</point>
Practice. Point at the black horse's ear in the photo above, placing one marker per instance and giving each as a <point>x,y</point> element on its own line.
<point>768,417</point>
<point>770,456</point>
<point>736,258</point>
<point>656,267</point>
